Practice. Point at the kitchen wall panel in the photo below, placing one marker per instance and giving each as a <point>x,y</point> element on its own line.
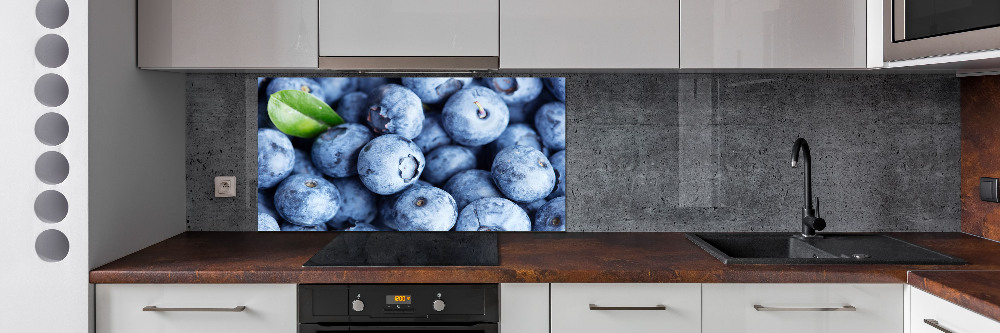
<point>684,152</point>
<point>980,153</point>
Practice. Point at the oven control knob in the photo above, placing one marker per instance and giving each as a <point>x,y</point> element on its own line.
<point>358,305</point>
<point>438,305</point>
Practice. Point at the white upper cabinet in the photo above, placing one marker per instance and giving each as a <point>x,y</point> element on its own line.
<point>780,33</point>
<point>407,28</point>
<point>581,34</point>
<point>227,34</point>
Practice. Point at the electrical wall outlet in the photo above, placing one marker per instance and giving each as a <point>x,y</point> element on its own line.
<point>225,186</point>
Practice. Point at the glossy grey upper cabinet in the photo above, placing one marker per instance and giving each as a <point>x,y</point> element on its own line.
<point>582,34</point>
<point>409,28</point>
<point>780,34</point>
<point>221,34</point>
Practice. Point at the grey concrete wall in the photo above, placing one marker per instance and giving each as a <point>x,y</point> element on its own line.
<point>685,152</point>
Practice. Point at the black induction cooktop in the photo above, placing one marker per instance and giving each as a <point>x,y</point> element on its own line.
<point>382,248</point>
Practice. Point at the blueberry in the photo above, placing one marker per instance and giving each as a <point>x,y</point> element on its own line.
<point>523,173</point>
<point>551,216</point>
<point>422,208</point>
<point>474,116</point>
<point>433,90</point>
<point>353,107</point>
<point>446,161</point>
<point>517,134</point>
<point>285,226</point>
<point>296,83</point>
<point>532,207</point>
<point>265,204</point>
<point>304,164</point>
<point>393,109</point>
<point>432,135</point>
<point>275,157</point>
<point>363,227</point>
<point>357,204</point>
<point>368,84</point>
<point>306,200</point>
<point>558,161</point>
<point>335,152</point>
<point>263,119</point>
<point>550,121</point>
<point>386,206</point>
<point>337,87</point>
<point>515,90</point>
<point>525,112</point>
<point>493,214</point>
<point>471,185</point>
<point>266,222</point>
<point>557,85</point>
<point>390,163</point>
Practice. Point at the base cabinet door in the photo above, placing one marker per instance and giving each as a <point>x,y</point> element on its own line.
<point>802,308</point>
<point>196,308</point>
<point>626,307</point>
<point>930,314</point>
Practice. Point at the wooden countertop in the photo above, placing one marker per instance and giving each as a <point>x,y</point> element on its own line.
<point>277,257</point>
<point>978,291</point>
<point>273,257</point>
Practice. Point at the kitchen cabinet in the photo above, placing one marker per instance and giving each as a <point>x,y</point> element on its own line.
<point>930,314</point>
<point>626,307</point>
<point>524,308</point>
<point>589,34</point>
<point>780,34</point>
<point>403,34</point>
<point>196,308</point>
<point>225,34</point>
<point>802,308</point>
<point>403,28</point>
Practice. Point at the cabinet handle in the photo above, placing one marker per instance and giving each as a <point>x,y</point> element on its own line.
<point>630,308</point>
<point>935,324</point>
<point>233,309</point>
<point>759,307</point>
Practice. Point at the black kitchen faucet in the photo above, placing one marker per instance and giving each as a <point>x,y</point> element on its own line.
<point>810,222</point>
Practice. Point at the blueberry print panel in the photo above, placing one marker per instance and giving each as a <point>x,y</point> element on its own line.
<point>411,154</point>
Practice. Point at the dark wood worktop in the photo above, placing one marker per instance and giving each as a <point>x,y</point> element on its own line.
<point>978,291</point>
<point>272,257</point>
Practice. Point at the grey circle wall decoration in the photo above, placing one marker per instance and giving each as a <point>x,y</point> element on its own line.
<point>52,13</point>
<point>51,51</point>
<point>51,129</point>
<point>51,90</point>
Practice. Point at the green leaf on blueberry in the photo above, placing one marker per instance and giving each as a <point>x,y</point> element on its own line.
<point>298,113</point>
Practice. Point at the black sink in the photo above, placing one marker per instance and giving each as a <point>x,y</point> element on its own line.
<point>787,248</point>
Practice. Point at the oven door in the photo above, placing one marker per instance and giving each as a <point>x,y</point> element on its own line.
<point>472,328</point>
<point>926,28</point>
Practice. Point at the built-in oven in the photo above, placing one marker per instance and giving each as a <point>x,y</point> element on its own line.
<point>927,28</point>
<point>466,308</point>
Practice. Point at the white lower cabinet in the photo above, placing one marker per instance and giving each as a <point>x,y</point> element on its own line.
<point>524,308</point>
<point>626,307</point>
<point>930,314</point>
<point>196,308</point>
<point>802,308</point>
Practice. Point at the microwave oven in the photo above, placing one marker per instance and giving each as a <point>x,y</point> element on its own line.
<point>915,29</point>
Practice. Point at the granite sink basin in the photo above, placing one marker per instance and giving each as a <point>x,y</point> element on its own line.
<point>830,249</point>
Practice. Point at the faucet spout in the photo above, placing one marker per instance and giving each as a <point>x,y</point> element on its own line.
<point>810,222</point>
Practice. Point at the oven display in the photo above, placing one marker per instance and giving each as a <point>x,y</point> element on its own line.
<point>397,299</point>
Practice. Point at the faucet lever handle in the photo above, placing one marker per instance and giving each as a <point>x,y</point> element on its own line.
<point>817,206</point>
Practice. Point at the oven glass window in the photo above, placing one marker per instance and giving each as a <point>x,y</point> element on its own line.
<point>928,18</point>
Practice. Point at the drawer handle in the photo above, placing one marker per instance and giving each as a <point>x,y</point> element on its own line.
<point>759,307</point>
<point>629,308</point>
<point>935,324</point>
<point>234,309</point>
